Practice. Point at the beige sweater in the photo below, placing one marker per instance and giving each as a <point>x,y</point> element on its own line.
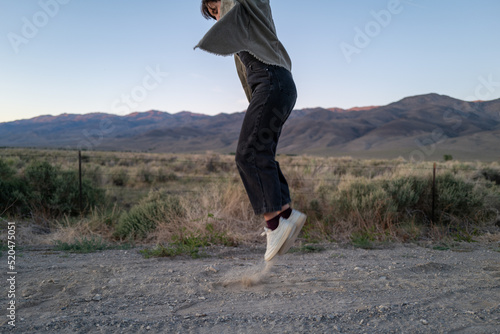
<point>246,25</point>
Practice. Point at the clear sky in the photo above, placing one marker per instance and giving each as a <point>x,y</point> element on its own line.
<point>122,56</point>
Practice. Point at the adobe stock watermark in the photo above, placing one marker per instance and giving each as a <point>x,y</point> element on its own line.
<point>31,26</point>
<point>125,104</point>
<point>128,101</point>
<point>485,89</point>
<point>373,28</point>
<point>427,147</point>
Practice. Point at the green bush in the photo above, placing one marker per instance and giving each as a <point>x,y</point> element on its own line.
<point>12,191</point>
<point>144,217</point>
<point>491,174</point>
<point>120,177</point>
<point>447,157</point>
<point>366,200</point>
<point>68,193</point>
<point>164,176</point>
<point>43,182</point>
<point>45,190</point>
<point>410,194</point>
<point>145,175</point>
<point>6,172</point>
<point>378,206</point>
<point>458,198</point>
<point>53,192</point>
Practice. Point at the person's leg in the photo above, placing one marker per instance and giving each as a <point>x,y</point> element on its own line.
<point>264,182</point>
<point>255,157</point>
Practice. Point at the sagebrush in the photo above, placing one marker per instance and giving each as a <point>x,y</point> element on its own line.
<point>158,197</point>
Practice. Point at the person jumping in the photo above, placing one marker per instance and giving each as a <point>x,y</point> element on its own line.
<point>245,29</point>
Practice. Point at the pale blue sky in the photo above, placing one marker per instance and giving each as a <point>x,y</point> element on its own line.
<point>86,56</point>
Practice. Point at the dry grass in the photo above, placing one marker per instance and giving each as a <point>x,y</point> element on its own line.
<point>211,194</point>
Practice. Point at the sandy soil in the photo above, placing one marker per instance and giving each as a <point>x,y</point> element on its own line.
<point>401,288</point>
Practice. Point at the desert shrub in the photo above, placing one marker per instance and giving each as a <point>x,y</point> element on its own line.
<point>12,190</point>
<point>43,181</point>
<point>458,198</point>
<point>144,217</point>
<point>120,177</point>
<point>125,162</point>
<point>94,173</point>
<point>410,194</point>
<point>67,197</point>
<point>212,164</point>
<point>165,176</point>
<point>461,167</point>
<point>45,190</point>
<point>364,201</point>
<point>6,172</point>
<point>491,174</point>
<point>378,209</point>
<point>145,175</point>
<point>52,192</point>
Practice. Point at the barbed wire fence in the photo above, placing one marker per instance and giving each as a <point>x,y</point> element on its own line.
<point>213,167</point>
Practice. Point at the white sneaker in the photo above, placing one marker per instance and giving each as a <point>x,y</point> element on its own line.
<point>298,219</point>
<point>276,238</point>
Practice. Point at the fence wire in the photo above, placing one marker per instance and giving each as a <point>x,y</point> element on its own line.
<point>117,174</point>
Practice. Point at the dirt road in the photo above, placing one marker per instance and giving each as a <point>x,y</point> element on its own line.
<point>401,288</point>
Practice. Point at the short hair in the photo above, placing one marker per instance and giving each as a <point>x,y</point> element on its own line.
<point>204,9</point>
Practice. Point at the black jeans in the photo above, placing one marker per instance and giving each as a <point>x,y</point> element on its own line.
<point>273,98</point>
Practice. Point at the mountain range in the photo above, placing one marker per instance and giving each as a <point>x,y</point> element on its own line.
<point>418,127</point>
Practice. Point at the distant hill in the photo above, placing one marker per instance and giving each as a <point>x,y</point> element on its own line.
<point>419,127</point>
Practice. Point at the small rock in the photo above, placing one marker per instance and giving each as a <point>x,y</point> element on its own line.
<point>26,293</point>
<point>214,269</point>
<point>97,297</point>
<point>424,322</point>
<point>383,308</point>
